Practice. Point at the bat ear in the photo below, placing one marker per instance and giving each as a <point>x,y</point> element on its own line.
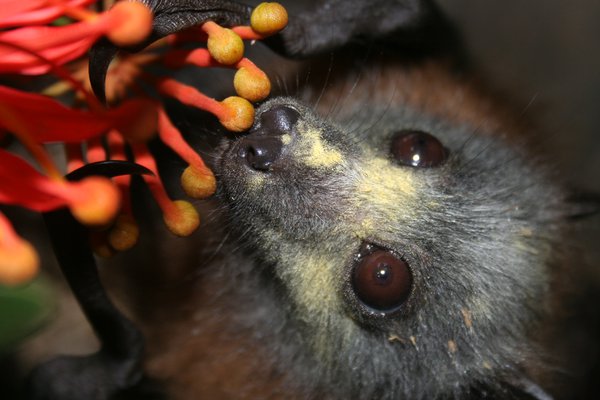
<point>583,204</point>
<point>331,24</point>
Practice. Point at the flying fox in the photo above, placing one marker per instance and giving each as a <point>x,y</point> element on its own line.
<point>385,233</point>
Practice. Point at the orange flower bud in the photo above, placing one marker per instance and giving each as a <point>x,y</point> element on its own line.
<point>223,44</point>
<point>95,202</point>
<point>133,23</point>
<point>239,114</point>
<point>198,184</point>
<point>268,18</point>
<point>124,233</point>
<point>251,84</point>
<point>100,245</point>
<point>182,219</point>
<point>19,262</point>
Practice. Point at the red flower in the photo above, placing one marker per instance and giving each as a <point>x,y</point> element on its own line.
<point>54,122</point>
<point>94,200</point>
<point>31,45</point>
<point>126,23</point>
<point>16,13</point>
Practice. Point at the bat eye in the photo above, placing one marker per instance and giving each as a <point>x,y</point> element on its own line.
<point>417,149</point>
<point>382,281</point>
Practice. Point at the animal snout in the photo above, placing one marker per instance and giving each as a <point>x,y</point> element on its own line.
<point>261,152</point>
<point>265,143</point>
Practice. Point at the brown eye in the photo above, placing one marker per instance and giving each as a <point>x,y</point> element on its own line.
<point>382,281</point>
<point>418,149</point>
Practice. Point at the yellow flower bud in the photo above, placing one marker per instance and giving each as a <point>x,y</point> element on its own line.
<point>184,220</point>
<point>268,18</point>
<point>198,184</point>
<point>240,114</point>
<point>251,85</point>
<point>225,46</point>
<point>124,234</point>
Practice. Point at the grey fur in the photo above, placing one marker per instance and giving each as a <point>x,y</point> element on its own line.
<point>480,240</point>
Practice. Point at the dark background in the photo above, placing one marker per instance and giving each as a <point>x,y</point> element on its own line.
<point>548,51</point>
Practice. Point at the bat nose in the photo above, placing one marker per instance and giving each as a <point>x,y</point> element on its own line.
<point>264,144</point>
<point>260,153</point>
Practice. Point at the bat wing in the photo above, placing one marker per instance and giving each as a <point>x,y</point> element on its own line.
<point>331,24</point>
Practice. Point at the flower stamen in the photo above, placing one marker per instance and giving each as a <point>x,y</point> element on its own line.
<point>223,44</point>
<point>42,36</point>
<point>180,216</point>
<point>235,113</point>
<point>197,180</point>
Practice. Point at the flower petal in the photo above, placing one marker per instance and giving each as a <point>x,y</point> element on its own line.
<point>23,185</point>
<point>58,44</point>
<point>15,13</point>
<point>61,44</point>
<point>55,122</point>
<point>11,8</point>
<point>93,201</point>
<point>26,63</point>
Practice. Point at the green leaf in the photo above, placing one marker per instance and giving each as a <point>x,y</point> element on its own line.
<point>23,310</point>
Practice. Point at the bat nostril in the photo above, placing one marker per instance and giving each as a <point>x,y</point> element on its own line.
<point>278,120</point>
<point>261,152</point>
<point>265,142</point>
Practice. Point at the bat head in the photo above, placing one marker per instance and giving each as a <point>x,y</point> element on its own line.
<point>411,253</point>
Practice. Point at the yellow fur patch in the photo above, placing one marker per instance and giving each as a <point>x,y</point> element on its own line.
<point>256,181</point>
<point>314,152</point>
<point>385,192</point>
<point>286,139</point>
